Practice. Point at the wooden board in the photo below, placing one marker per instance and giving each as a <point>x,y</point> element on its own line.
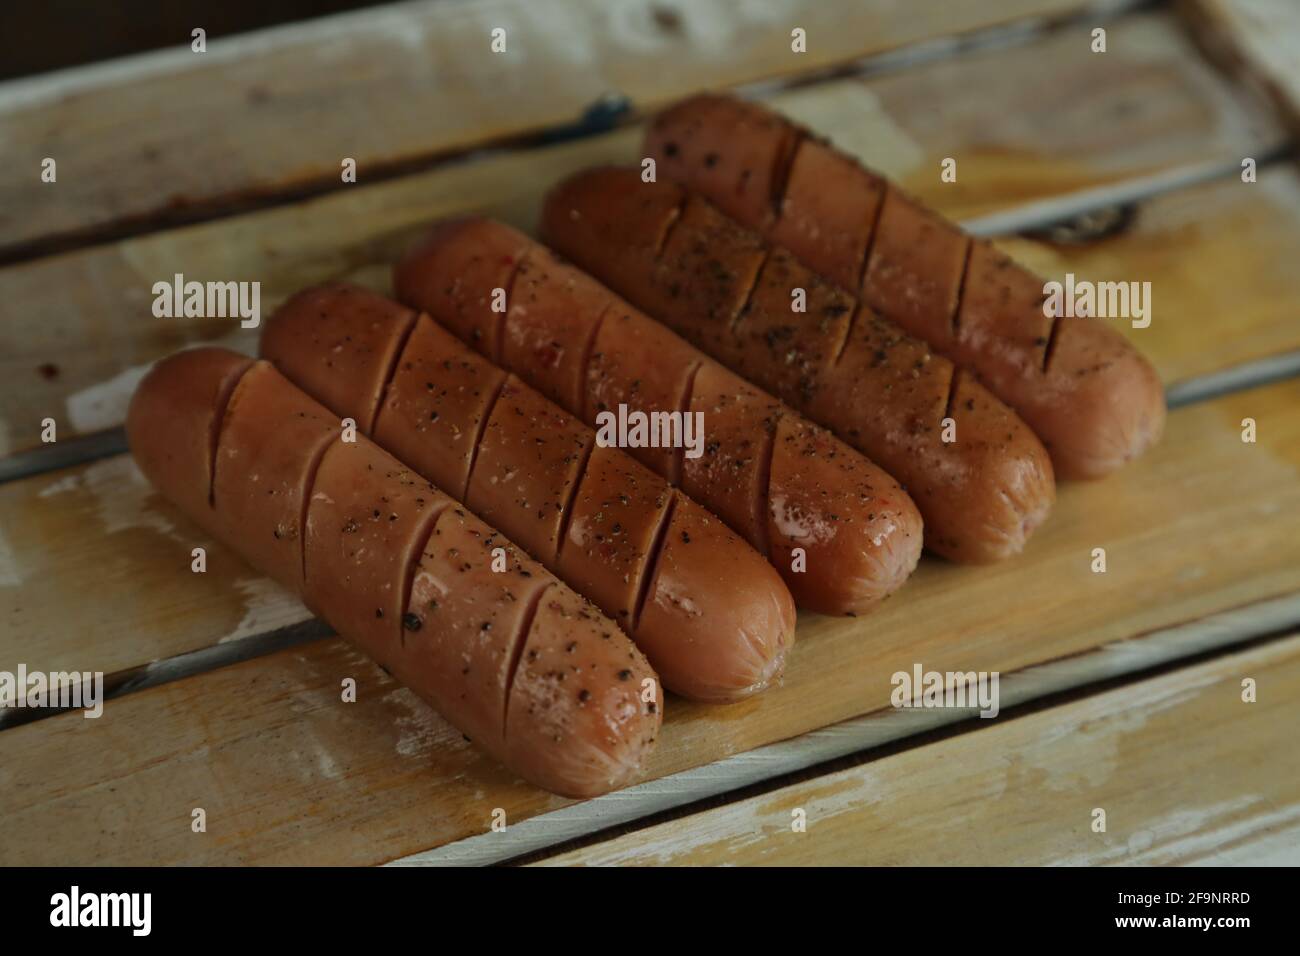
<point>152,136</point>
<point>101,533</point>
<point>1196,534</point>
<point>1258,39</point>
<point>98,530</point>
<point>1147,107</point>
<point>1185,770</point>
<point>807,753</point>
<point>1221,262</point>
<point>287,773</point>
<point>81,330</point>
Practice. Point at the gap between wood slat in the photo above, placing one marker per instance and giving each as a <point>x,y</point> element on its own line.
<point>935,49</point>
<point>599,118</point>
<point>1132,656</point>
<point>102,444</point>
<point>1157,73</point>
<point>1238,378</point>
<point>63,454</point>
<point>1181,393</point>
<point>307,676</point>
<point>193,663</point>
<point>185,665</point>
<point>252,201</point>
<point>1019,219</point>
<point>967,723</point>
<point>1168,815</point>
<point>1059,209</point>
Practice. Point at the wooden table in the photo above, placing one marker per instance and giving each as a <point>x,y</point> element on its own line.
<point>1121,691</point>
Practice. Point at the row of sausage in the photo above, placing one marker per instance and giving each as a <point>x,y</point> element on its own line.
<point>425,474</point>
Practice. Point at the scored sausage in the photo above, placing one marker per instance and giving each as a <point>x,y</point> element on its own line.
<point>1091,397</point>
<point>980,478</point>
<point>514,659</point>
<point>839,530</point>
<point>708,611</point>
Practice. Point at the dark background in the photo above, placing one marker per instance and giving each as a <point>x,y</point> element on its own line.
<point>41,35</point>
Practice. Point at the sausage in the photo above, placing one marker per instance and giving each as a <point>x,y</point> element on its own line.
<point>980,478</point>
<point>516,660</point>
<point>1091,397</point>
<point>712,616</point>
<point>840,531</point>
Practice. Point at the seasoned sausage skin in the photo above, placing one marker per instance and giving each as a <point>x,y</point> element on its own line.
<point>980,478</point>
<point>841,532</point>
<point>712,616</point>
<point>1091,397</point>
<point>526,668</point>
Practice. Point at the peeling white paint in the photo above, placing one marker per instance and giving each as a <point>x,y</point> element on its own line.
<point>104,404</point>
<point>120,494</point>
<point>267,607</point>
<point>69,482</point>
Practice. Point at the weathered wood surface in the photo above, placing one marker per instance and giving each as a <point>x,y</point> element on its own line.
<point>94,569</point>
<point>1052,118</point>
<point>288,773</point>
<point>97,530</point>
<point>1186,771</point>
<point>1220,258</point>
<point>95,575</point>
<point>854,738</point>
<point>79,329</point>
<point>264,113</point>
<point>1258,39</point>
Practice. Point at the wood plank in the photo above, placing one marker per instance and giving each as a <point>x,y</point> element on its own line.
<point>287,773</point>
<point>81,329</point>
<point>856,735</point>
<point>100,534</point>
<point>156,134</point>
<point>1185,770</point>
<point>1258,39</point>
<point>1052,118</point>
<point>1220,259</point>
<point>98,530</point>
